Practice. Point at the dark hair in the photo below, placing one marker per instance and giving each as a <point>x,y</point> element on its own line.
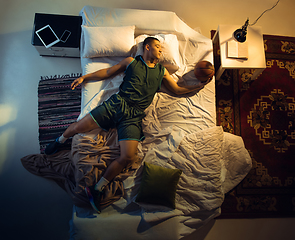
<point>148,41</point>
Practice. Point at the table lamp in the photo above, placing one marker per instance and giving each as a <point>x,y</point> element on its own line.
<point>240,33</point>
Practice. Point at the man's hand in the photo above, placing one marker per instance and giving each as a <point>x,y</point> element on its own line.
<point>104,73</point>
<point>202,84</point>
<point>181,89</point>
<point>77,82</point>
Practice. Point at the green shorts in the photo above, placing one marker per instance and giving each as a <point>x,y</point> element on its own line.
<point>117,113</point>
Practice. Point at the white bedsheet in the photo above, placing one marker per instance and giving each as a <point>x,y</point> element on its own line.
<point>180,132</point>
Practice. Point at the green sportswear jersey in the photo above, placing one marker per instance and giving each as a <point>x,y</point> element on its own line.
<point>141,82</point>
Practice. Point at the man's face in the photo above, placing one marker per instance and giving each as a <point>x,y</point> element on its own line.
<point>155,49</point>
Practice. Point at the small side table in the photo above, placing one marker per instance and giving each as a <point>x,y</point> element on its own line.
<point>59,23</point>
<point>256,52</point>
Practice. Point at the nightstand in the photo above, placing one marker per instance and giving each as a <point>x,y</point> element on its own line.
<point>58,23</point>
<point>256,52</point>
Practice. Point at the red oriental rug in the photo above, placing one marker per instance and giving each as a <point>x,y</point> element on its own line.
<point>262,112</point>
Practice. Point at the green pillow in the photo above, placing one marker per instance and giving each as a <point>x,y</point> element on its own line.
<point>158,185</point>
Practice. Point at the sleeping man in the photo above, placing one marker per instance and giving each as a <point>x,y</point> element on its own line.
<point>124,110</point>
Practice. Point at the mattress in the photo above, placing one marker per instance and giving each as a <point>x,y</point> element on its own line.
<point>180,133</point>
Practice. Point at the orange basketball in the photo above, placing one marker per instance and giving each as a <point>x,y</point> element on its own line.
<point>204,70</point>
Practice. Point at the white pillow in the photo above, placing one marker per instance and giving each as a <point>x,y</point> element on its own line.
<point>107,41</point>
<point>170,48</point>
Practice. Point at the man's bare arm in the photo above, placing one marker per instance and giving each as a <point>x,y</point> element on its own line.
<point>178,90</point>
<point>103,74</point>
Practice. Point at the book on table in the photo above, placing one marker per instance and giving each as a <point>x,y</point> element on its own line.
<point>237,50</point>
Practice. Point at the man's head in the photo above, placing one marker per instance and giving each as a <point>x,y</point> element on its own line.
<point>153,46</point>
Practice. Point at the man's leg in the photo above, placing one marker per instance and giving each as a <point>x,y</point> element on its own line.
<point>86,124</point>
<point>128,151</point>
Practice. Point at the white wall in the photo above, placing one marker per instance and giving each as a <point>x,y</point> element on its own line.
<point>19,14</point>
<point>34,208</point>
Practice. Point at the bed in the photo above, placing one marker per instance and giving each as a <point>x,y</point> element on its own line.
<point>180,136</point>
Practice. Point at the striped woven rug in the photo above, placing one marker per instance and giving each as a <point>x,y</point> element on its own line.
<point>58,107</point>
